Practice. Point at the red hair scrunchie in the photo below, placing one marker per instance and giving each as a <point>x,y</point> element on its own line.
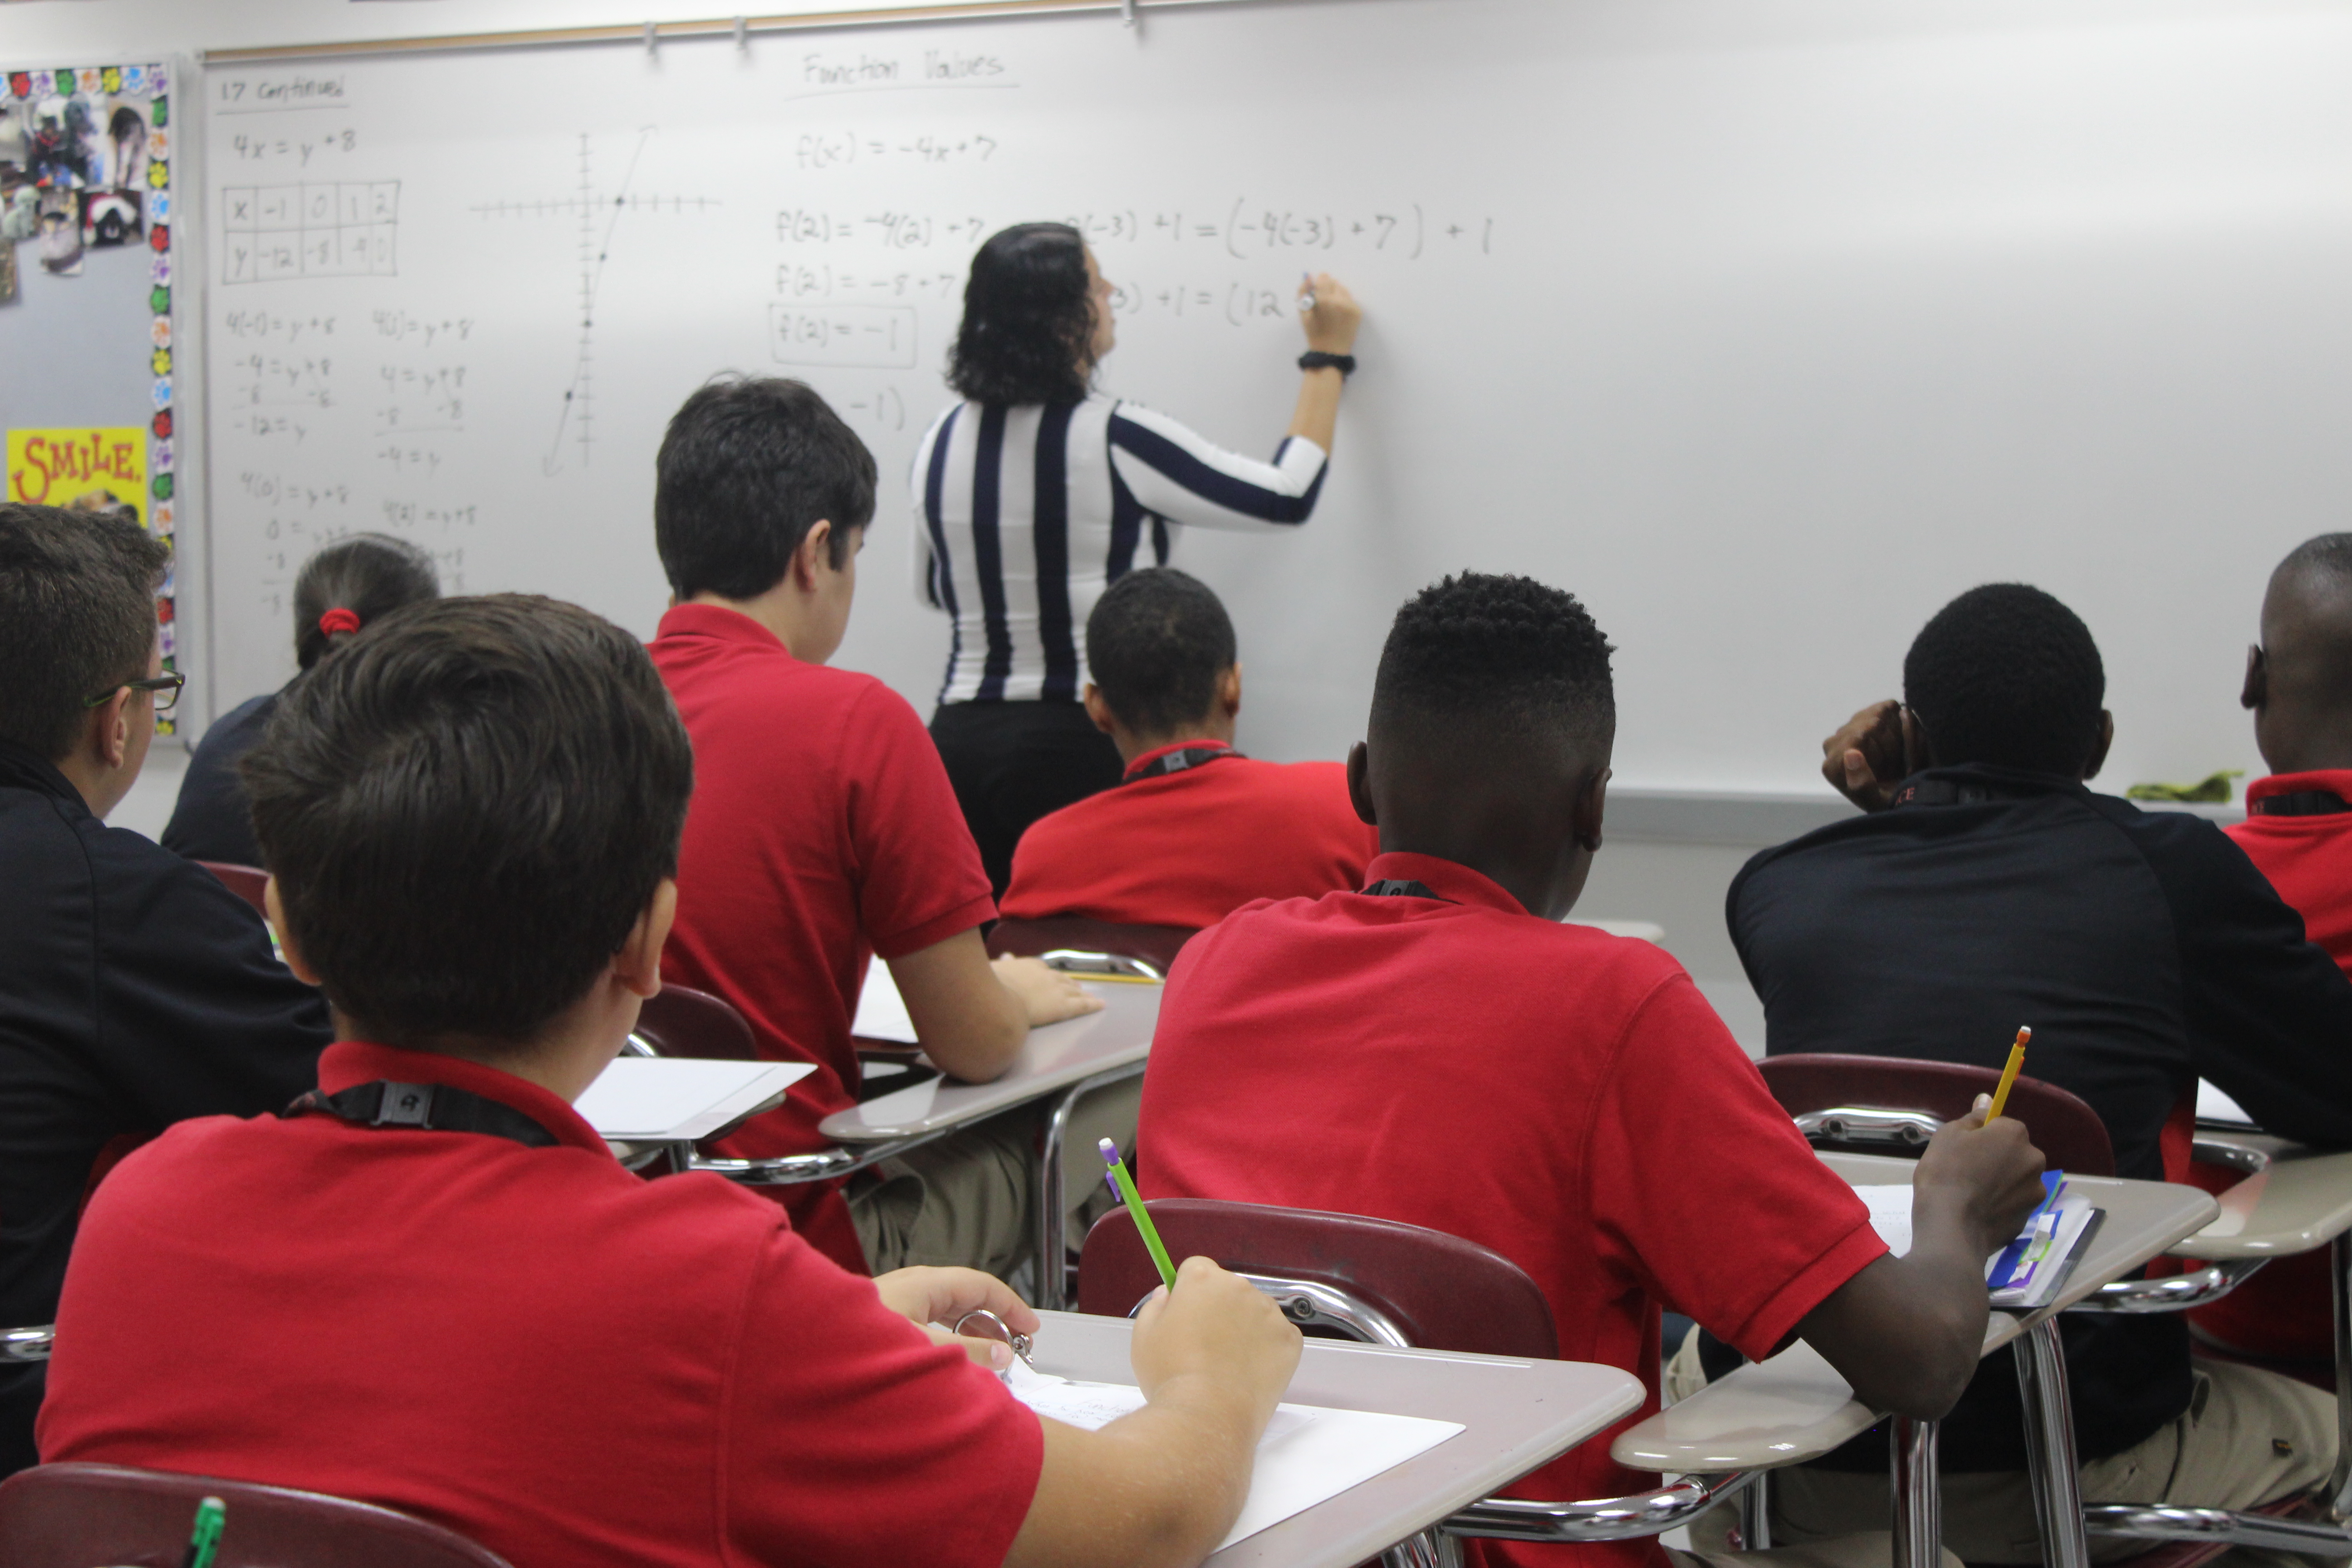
<point>339,620</point>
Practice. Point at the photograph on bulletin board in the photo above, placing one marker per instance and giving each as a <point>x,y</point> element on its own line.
<point>86,296</point>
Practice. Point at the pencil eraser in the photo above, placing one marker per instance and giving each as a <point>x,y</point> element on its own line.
<point>1109,1152</point>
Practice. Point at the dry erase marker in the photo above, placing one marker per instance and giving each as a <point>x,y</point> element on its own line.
<point>1306,295</point>
<point>211,1514</point>
<point>1125,1183</point>
<point>2009,1073</point>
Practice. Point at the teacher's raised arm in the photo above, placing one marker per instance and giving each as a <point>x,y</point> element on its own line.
<point>1036,492</point>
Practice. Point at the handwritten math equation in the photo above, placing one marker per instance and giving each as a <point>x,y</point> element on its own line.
<point>264,326</point>
<point>819,150</point>
<point>1243,231</point>
<point>298,150</point>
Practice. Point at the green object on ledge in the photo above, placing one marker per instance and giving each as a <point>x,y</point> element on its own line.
<point>2212,791</point>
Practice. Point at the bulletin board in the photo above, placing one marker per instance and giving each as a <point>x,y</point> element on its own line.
<point>88,155</point>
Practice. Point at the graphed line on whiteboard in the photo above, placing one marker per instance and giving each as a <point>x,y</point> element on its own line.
<point>575,422</point>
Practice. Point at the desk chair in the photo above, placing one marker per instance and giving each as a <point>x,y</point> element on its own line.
<point>1156,945</point>
<point>71,1516</point>
<point>1386,1283</point>
<point>1883,1104</point>
<point>246,881</point>
<point>243,880</point>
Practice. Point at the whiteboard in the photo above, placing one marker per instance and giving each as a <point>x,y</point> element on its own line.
<point>1764,328</point>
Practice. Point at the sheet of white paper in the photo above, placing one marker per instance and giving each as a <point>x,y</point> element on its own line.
<point>1890,1215</point>
<point>881,1011</point>
<point>1309,1453</point>
<point>642,1098</point>
<point>2213,1105</point>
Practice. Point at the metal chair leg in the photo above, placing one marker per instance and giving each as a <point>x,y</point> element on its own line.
<point>1430,1549</point>
<point>1755,1505</point>
<point>1052,1290</point>
<point>2050,1446</point>
<point>1916,1491</point>
<point>2339,1276</point>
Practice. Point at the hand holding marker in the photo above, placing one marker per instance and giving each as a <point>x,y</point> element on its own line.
<point>1124,1185</point>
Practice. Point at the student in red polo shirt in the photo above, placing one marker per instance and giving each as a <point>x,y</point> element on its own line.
<point>2298,831</point>
<point>1195,829</point>
<point>1439,1049</point>
<point>429,1286</point>
<point>824,829</point>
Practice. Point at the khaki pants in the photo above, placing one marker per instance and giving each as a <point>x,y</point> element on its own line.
<point>2248,1437</point>
<point>969,1199</point>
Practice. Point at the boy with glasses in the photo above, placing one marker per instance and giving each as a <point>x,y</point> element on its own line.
<point>135,990</point>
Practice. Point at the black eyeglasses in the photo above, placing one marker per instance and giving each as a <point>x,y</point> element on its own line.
<point>166,688</point>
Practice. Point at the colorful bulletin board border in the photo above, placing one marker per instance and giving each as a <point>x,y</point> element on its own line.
<point>82,144</point>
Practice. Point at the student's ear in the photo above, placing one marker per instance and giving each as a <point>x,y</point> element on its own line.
<point>1099,710</point>
<point>2099,752</point>
<point>1229,690</point>
<point>637,966</point>
<point>108,735</point>
<point>1591,805</point>
<point>1360,784</point>
<point>815,550</point>
<point>288,948</point>
<point>2257,688</point>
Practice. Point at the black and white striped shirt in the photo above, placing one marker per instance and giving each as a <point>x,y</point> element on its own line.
<point>1030,513</point>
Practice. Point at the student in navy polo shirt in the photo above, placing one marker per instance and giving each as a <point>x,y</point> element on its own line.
<point>1984,886</point>
<point>824,829</point>
<point>467,1309</point>
<point>1440,1049</point>
<point>2298,832</point>
<point>1195,829</point>
<point>135,990</point>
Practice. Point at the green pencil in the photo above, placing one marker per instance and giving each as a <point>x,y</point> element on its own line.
<point>211,1514</point>
<point>1128,1195</point>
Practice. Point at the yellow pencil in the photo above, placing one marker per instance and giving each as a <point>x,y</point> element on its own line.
<point>2009,1073</point>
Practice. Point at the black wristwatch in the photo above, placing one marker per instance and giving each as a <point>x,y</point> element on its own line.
<point>1316,359</point>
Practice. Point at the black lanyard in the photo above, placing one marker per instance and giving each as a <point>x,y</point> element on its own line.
<point>2299,803</point>
<point>1177,760</point>
<point>435,1107</point>
<point>1394,888</point>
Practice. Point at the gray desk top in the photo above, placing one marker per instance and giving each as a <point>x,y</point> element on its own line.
<point>1520,1414</point>
<point>1795,1406</point>
<point>1052,1058</point>
<point>2302,1202</point>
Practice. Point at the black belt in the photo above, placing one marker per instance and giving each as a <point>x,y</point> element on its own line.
<point>2299,803</point>
<point>435,1107</point>
<point>1176,761</point>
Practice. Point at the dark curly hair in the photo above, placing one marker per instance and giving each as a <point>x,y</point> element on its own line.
<point>1028,323</point>
<point>1157,642</point>
<point>2007,675</point>
<point>1515,656</point>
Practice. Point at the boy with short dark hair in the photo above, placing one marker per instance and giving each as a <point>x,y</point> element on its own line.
<point>135,990</point>
<point>1181,842</point>
<point>1985,888</point>
<point>1440,1049</point>
<point>429,1286</point>
<point>824,830</point>
<point>2298,832</point>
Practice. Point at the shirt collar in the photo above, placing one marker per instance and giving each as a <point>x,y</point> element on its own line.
<point>2335,781</point>
<point>21,768</point>
<point>1198,744</point>
<point>347,1063</point>
<point>1449,880</point>
<point>2000,781</point>
<point>718,622</point>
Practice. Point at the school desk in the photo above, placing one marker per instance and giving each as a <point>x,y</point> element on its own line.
<point>1795,1406</point>
<point>1519,1415</point>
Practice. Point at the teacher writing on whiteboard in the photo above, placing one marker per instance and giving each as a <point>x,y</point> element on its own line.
<point>1037,492</point>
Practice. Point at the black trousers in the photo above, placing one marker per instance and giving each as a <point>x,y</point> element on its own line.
<point>1012,763</point>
